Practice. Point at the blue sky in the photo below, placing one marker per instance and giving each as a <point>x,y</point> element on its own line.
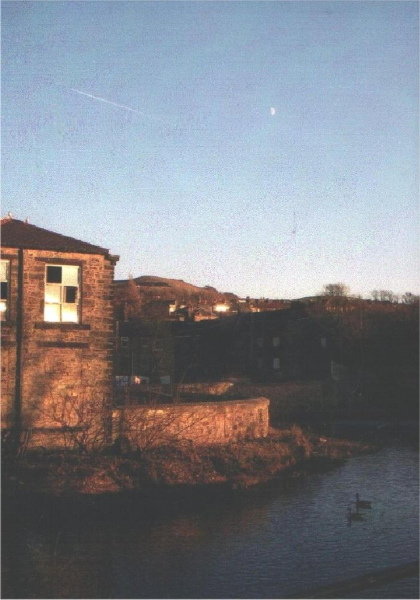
<point>146,127</point>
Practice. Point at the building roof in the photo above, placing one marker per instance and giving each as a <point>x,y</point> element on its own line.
<point>17,234</point>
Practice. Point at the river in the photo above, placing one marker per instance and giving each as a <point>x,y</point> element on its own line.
<point>272,542</point>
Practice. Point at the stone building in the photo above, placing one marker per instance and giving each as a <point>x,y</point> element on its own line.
<point>57,331</point>
<point>145,349</point>
<point>275,346</point>
<point>171,351</point>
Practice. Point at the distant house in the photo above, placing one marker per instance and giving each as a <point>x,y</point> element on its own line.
<point>144,349</point>
<point>57,326</point>
<point>172,351</point>
<point>277,345</point>
<point>221,307</point>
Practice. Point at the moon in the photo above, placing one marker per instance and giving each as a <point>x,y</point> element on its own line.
<point>272,111</point>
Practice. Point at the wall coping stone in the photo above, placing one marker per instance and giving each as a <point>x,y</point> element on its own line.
<point>183,405</point>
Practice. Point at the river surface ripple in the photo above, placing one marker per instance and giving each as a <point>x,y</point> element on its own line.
<point>270,543</point>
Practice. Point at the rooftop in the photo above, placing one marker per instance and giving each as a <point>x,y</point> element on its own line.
<point>19,234</point>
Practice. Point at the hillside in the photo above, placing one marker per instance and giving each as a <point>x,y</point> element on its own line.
<point>149,288</point>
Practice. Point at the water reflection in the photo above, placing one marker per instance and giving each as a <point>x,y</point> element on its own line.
<point>267,544</point>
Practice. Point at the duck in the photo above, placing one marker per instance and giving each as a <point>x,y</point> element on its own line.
<point>354,516</point>
<point>363,503</point>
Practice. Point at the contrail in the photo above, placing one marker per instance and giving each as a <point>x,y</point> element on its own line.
<point>124,106</point>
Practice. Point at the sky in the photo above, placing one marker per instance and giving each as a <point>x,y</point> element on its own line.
<point>262,148</point>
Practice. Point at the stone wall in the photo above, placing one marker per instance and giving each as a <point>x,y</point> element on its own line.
<point>8,343</point>
<point>212,389</point>
<point>200,423</point>
<point>67,368</point>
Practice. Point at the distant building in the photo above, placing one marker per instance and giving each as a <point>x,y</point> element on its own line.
<point>145,349</point>
<point>277,345</point>
<point>170,351</point>
<point>57,326</point>
<point>221,307</point>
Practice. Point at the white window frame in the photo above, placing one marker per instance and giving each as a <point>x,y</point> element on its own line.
<point>276,364</point>
<point>276,341</point>
<point>5,291</point>
<point>59,307</point>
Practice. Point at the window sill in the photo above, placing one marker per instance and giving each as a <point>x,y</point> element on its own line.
<point>62,326</point>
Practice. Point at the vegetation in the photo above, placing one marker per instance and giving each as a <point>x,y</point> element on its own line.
<point>237,465</point>
<point>141,296</point>
<point>336,289</point>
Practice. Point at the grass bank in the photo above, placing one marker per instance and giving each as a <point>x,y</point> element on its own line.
<point>239,465</point>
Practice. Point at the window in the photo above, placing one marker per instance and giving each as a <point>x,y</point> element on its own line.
<point>5,277</point>
<point>124,342</point>
<point>157,345</point>
<point>276,363</point>
<point>62,294</point>
<point>260,342</point>
<point>276,341</point>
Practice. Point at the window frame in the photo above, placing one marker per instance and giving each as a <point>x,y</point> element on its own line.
<point>62,289</point>
<point>5,314</point>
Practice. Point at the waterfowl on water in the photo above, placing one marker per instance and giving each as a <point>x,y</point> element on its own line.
<point>354,516</point>
<point>363,503</point>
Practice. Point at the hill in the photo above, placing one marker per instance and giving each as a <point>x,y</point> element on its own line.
<point>148,289</point>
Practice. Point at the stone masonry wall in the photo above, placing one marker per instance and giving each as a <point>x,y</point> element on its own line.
<point>200,423</point>
<point>67,368</point>
<point>213,389</point>
<point>8,344</point>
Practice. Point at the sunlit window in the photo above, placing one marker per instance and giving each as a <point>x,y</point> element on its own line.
<point>62,294</point>
<point>5,280</point>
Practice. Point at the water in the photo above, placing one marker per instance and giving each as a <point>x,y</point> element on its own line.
<point>270,543</point>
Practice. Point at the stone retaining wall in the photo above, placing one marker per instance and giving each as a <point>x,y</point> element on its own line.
<point>200,423</point>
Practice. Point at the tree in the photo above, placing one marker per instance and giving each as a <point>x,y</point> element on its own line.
<point>384,296</point>
<point>409,298</point>
<point>131,299</point>
<point>336,289</point>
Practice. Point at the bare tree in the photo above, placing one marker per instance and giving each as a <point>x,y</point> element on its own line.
<point>133,299</point>
<point>384,296</point>
<point>146,427</point>
<point>336,289</point>
<point>78,417</point>
<point>409,298</point>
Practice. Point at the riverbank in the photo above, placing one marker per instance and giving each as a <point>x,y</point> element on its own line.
<point>237,466</point>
